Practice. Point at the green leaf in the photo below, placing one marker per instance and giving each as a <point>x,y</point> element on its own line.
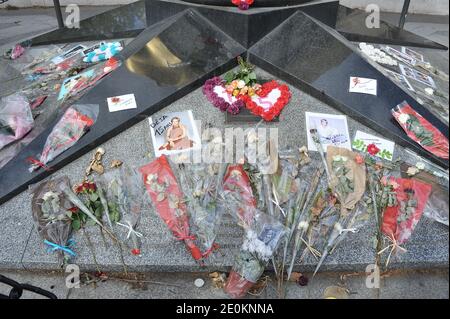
<point>93,197</point>
<point>76,224</point>
<point>252,76</point>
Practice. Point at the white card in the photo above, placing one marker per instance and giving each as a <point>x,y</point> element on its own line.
<point>363,141</point>
<point>122,103</point>
<point>363,85</point>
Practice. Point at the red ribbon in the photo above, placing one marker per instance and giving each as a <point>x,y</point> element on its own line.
<point>186,237</point>
<point>38,163</point>
<point>210,250</point>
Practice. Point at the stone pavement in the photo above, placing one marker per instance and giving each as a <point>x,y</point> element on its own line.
<point>393,285</point>
<point>21,248</point>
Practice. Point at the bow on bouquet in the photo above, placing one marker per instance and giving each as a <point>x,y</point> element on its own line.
<point>124,193</point>
<point>168,201</point>
<point>400,218</point>
<point>263,233</point>
<point>420,130</point>
<point>52,212</point>
<point>69,129</point>
<point>16,119</point>
<point>347,180</point>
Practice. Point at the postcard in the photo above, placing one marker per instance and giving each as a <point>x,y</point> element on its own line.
<point>405,58</point>
<point>122,103</point>
<point>68,54</point>
<point>363,85</point>
<point>374,145</point>
<point>174,133</point>
<point>332,130</point>
<point>415,55</point>
<point>401,79</point>
<point>416,75</point>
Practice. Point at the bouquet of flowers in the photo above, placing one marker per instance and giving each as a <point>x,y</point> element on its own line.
<point>16,118</point>
<point>263,235</point>
<point>238,196</point>
<point>124,193</point>
<point>168,201</point>
<point>399,220</point>
<point>420,130</point>
<point>348,183</point>
<point>69,129</point>
<point>52,212</point>
<point>201,183</point>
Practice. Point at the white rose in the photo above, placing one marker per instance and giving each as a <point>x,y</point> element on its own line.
<point>403,118</point>
<point>429,91</point>
<point>241,84</point>
<point>420,165</point>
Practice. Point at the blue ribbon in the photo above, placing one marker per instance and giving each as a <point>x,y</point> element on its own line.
<point>67,249</point>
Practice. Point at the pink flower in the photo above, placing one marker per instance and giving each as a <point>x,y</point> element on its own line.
<point>359,159</point>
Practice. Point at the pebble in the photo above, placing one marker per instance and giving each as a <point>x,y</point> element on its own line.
<point>199,283</point>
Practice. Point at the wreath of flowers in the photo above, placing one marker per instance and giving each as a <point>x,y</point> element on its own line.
<point>219,102</point>
<point>243,4</point>
<point>275,110</point>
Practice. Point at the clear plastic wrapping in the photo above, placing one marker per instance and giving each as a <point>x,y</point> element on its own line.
<point>263,236</point>
<point>124,193</point>
<point>52,213</point>
<point>16,119</point>
<point>420,130</point>
<point>201,184</point>
<point>69,129</point>
<point>169,202</point>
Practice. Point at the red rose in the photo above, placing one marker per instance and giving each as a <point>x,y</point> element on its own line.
<point>372,149</point>
<point>136,252</point>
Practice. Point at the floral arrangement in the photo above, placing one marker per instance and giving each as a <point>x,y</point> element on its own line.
<point>168,201</point>
<point>124,194</point>
<point>420,130</point>
<point>69,129</point>
<point>53,216</point>
<point>16,119</point>
<point>241,89</point>
<point>401,217</point>
<point>243,4</point>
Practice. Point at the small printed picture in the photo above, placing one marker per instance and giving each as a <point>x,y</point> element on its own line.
<point>122,103</point>
<point>416,75</point>
<point>332,130</point>
<point>415,55</point>
<point>405,58</point>
<point>401,79</point>
<point>362,85</point>
<point>73,82</point>
<point>174,133</point>
<point>68,54</point>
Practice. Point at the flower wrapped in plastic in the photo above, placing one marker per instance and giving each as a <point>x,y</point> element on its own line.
<point>420,130</point>
<point>75,122</point>
<point>124,193</point>
<point>52,212</point>
<point>169,202</point>
<point>348,183</point>
<point>263,235</point>
<point>400,220</point>
<point>16,119</point>
<point>201,184</point>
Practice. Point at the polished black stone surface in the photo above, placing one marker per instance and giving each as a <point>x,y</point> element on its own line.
<point>163,64</point>
<point>317,59</point>
<point>122,22</point>
<point>257,3</point>
<point>351,23</point>
<point>246,27</point>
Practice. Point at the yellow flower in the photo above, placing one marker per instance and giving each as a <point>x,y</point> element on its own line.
<point>236,92</point>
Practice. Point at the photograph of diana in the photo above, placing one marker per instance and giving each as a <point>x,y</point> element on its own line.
<point>332,130</point>
<point>174,133</point>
